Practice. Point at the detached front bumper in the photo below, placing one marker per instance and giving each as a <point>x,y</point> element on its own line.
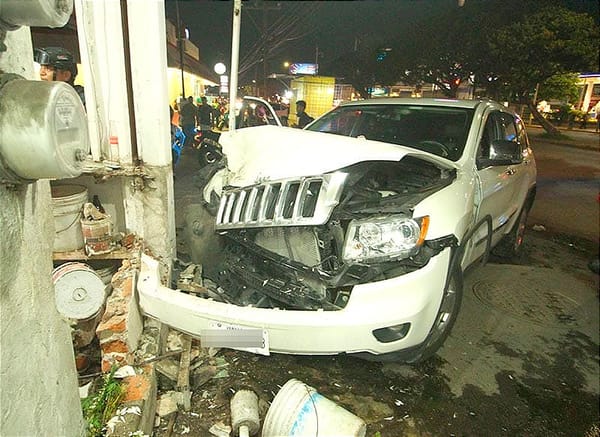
<point>411,298</point>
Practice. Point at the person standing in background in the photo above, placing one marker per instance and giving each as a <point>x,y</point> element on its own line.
<point>187,119</point>
<point>303,117</point>
<point>57,64</point>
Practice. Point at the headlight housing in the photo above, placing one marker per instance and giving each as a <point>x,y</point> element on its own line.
<point>384,238</point>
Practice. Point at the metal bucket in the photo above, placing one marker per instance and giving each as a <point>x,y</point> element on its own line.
<point>67,205</point>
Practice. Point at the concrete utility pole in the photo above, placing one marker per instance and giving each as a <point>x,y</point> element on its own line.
<point>235,56</point>
<point>180,47</point>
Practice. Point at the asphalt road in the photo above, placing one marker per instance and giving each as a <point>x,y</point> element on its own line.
<point>522,359</point>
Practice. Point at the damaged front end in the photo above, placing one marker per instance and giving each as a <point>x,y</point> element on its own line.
<point>303,243</point>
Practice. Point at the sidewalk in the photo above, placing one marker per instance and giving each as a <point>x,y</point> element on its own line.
<point>579,138</point>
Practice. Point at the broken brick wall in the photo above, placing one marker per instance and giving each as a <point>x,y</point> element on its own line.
<point>121,326</point>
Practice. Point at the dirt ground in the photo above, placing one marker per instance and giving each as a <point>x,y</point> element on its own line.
<point>522,359</point>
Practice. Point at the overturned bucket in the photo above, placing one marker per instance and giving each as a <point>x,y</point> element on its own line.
<point>298,410</point>
<point>79,291</point>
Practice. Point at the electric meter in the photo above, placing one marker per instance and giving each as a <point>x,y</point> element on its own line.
<point>43,130</point>
<point>45,13</point>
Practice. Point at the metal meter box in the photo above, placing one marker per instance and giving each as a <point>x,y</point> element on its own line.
<point>43,130</point>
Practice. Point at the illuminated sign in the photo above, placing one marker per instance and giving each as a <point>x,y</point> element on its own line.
<point>304,68</point>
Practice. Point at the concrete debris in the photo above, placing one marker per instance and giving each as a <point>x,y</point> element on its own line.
<point>190,280</point>
<point>167,403</point>
<point>169,368</point>
<point>202,375</point>
<point>539,228</point>
<point>119,417</point>
<point>174,340</point>
<point>219,429</point>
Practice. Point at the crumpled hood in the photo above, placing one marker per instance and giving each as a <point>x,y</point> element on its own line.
<point>270,153</point>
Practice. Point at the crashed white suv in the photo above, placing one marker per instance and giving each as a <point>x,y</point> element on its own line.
<point>352,235</point>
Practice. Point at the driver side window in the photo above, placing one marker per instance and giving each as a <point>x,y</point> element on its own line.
<point>499,126</point>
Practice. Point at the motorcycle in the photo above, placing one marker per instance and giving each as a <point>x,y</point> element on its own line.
<point>207,143</point>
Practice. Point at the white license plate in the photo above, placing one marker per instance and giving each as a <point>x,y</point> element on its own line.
<point>236,337</point>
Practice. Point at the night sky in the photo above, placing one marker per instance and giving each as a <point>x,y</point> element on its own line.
<point>333,26</point>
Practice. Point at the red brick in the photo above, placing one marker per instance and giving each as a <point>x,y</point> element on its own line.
<point>113,324</point>
<point>136,388</point>
<point>114,346</point>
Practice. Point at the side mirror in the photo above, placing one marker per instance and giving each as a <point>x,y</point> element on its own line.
<point>502,152</point>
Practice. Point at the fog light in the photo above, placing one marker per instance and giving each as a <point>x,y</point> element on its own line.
<point>392,333</point>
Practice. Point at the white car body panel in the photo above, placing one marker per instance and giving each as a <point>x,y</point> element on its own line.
<point>457,213</point>
<point>311,332</point>
<point>296,152</point>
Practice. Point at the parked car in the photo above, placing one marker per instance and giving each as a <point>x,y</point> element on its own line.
<point>352,235</point>
<point>251,112</point>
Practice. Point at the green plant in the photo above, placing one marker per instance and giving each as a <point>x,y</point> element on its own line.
<point>99,407</point>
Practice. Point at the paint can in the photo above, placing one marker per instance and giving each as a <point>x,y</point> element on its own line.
<point>97,236</point>
<point>67,205</point>
<point>79,291</point>
<point>298,410</point>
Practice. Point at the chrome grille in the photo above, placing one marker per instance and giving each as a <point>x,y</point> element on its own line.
<point>288,202</point>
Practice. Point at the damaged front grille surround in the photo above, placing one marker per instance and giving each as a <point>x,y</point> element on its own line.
<point>287,202</point>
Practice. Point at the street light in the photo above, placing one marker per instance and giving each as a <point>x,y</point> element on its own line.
<point>220,68</point>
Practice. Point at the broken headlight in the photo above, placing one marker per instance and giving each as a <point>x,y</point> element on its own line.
<point>379,238</point>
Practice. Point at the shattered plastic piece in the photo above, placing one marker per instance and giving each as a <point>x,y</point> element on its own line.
<point>184,429</point>
<point>219,429</point>
<point>124,372</point>
<point>84,390</point>
<point>399,403</point>
<point>389,418</point>
<point>130,410</point>
<point>110,425</point>
<point>539,228</point>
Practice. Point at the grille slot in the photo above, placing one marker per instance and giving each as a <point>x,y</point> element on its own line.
<point>289,202</point>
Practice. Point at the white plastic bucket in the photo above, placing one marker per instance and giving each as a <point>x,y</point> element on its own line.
<point>298,410</point>
<point>67,205</point>
<point>79,291</point>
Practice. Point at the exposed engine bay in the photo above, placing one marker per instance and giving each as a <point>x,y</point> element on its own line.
<point>284,241</point>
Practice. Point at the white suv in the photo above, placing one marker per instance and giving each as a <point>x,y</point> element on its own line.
<point>352,235</point>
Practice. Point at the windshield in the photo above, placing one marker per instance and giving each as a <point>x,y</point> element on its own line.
<point>440,130</point>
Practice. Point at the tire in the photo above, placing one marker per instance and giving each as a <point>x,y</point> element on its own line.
<point>511,245</point>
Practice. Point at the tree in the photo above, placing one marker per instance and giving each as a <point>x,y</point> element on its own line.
<point>561,87</point>
<point>550,42</point>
